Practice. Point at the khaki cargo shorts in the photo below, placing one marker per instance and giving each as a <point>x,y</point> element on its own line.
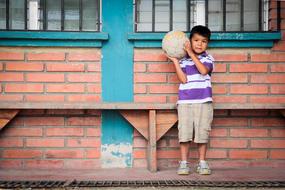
<point>194,121</point>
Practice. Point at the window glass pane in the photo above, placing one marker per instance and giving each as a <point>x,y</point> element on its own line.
<point>71,15</point>
<point>251,19</point>
<point>144,15</point>
<point>53,8</point>
<point>215,15</point>
<point>17,14</point>
<point>90,18</point>
<point>162,10</point>
<point>2,14</point>
<point>34,15</point>
<point>233,15</point>
<point>179,15</point>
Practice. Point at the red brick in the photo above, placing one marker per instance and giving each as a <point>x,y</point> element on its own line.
<point>84,77</point>
<point>94,112</point>
<point>44,121</point>
<point>278,68</point>
<point>24,88</point>
<point>273,78</point>
<point>172,99</point>
<point>52,56</point>
<point>150,99</point>
<point>65,88</point>
<point>64,154</point>
<point>279,45</point>
<point>173,143</point>
<point>22,132</point>
<point>82,164</point>
<point>93,153</point>
<point>221,113</point>
<point>228,143</point>
<point>44,143</point>
<point>44,77</point>
<point>216,153</point>
<point>93,132</point>
<point>1,67</point>
<point>139,56</point>
<point>248,132</point>
<point>220,68</point>
<point>220,89</point>
<point>267,99</point>
<point>24,66</point>
<point>10,97</point>
<point>162,143</point>
<point>94,88</point>
<point>172,78</point>
<point>84,98</point>
<point>140,89</point>
<point>274,57</point>
<point>139,142</point>
<point>248,113</point>
<point>232,78</point>
<point>20,153</point>
<point>149,78</point>
<point>277,132</point>
<point>248,154</point>
<point>168,154</point>
<point>217,132</point>
<point>230,57</point>
<point>64,112</point>
<point>230,122</point>
<point>277,89</point>
<point>162,89</point>
<point>84,56</point>
<point>9,76</point>
<point>11,56</point>
<point>11,142</point>
<point>139,154</point>
<point>140,163</point>
<point>277,154</point>
<point>229,99</point>
<point>86,142</point>
<point>268,122</point>
<point>31,112</point>
<point>10,164</point>
<point>272,143</point>
<point>60,132</point>
<point>65,67</point>
<point>161,67</point>
<point>139,67</point>
<point>248,89</point>
<point>94,67</point>
<point>44,98</point>
<point>248,68</point>
<point>44,164</point>
<point>84,121</point>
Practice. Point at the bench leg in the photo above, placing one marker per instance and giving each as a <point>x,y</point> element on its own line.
<point>151,148</point>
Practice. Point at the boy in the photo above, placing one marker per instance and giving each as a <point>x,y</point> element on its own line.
<point>195,109</point>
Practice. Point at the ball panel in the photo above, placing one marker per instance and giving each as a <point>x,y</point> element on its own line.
<point>173,44</point>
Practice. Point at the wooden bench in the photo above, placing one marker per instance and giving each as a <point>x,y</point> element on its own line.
<point>152,120</point>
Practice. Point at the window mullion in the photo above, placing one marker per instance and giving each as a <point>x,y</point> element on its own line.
<point>153,16</point>
<point>206,12</point>
<point>171,15</point>
<point>241,15</point>
<point>224,14</point>
<point>7,14</point>
<point>188,20</point>
<point>62,15</point>
<point>80,15</point>
<point>25,14</point>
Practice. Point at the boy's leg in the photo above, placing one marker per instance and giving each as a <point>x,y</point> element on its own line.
<point>184,150</point>
<point>202,148</point>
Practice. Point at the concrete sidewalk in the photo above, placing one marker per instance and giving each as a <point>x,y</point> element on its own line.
<point>134,174</point>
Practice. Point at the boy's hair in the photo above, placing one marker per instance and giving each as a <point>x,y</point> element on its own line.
<point>201,30</point>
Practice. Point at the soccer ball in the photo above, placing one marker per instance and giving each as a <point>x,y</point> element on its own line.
<point>173,44</point>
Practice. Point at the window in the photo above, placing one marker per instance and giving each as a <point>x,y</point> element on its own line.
<point>218,15</point>
<point>50,15</point>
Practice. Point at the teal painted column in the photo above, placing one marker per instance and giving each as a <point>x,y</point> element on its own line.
<point>117,82</point>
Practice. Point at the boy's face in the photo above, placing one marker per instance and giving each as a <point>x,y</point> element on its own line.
<point>199,43</point>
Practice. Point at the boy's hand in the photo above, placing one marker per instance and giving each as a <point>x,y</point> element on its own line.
<point>188,47</point>
<point>173,59</point>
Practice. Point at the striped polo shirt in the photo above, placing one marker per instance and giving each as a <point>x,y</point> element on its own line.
<point>198,87</point>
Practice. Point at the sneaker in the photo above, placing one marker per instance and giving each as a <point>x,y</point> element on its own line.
<point>183,168</point>
<point>203,168</point>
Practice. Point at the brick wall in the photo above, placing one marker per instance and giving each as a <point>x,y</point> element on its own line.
<point>239,138</point>
<point>52,139</point>
<point>50,75</point>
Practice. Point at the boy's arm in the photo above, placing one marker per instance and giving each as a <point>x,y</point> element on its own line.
<point>180,74</point>
<point>200,66</point>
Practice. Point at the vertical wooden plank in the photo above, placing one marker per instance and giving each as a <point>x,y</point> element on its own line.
<point>152,161</point>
